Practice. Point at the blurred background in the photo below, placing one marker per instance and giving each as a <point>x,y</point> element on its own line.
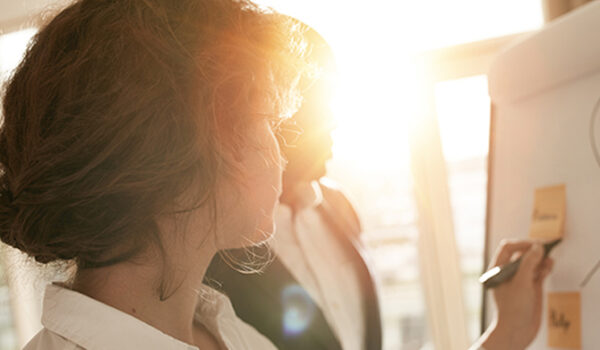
<point>410,149</point>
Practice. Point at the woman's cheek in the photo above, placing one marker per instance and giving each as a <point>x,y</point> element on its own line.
<point>267,184</point>
<point>260,187</point>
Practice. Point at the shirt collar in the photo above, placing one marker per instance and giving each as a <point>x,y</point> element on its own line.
<point>97,326</point>
<point>216,313</point>
<point>307,195</point>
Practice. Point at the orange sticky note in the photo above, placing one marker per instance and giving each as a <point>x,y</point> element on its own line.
<point>548,218</point>
<point>564,320</point>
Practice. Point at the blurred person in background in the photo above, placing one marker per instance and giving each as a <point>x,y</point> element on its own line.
<point>319,291</point>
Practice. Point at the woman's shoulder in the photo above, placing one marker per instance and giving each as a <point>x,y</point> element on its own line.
<point>48,340</point>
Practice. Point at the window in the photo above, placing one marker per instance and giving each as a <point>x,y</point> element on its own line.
<point>463,111</point>
<point>12,47</point>
<point>8,339</point>
<point>383,196</point>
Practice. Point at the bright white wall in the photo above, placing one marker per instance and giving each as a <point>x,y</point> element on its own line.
<point>545,90</point>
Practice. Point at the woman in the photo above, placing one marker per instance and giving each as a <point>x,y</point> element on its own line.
<point>137,141</point>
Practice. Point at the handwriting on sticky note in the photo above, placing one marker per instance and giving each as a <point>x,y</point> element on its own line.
<point>564,320</point>
<point>558,320</point>
<point>548,219</point>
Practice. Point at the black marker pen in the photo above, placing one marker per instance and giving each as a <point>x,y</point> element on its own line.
<point>500,274</point>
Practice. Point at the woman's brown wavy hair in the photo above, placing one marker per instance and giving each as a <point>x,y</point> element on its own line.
<point>119,107</point>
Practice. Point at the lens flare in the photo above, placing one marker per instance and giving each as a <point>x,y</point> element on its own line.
<point>298,310</point>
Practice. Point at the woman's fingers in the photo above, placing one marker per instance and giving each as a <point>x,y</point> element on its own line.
<point>544,270</point>
<point>507,249</point>
<point>530,264</point>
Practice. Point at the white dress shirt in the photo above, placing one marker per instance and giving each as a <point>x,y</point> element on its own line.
<point>73,321</point>
<point>308,249</point>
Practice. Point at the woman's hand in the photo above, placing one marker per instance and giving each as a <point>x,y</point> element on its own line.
<point>519,301</point>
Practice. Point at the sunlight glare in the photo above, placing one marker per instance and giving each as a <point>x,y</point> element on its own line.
<point>374,43</point>
<point>463,109</point>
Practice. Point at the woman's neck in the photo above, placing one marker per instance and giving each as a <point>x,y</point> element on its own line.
<point>136,288</point>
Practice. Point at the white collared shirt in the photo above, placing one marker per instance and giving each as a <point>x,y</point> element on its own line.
<point>309,250</point>
<point>72,320</point>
